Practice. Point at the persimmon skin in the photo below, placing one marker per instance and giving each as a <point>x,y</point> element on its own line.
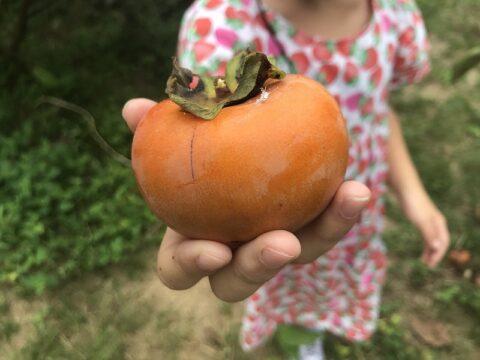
<point>256,167</point>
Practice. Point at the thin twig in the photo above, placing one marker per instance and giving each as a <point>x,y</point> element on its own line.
<point>92,129</point>
<point>21,27</point>
<point>2,8</point>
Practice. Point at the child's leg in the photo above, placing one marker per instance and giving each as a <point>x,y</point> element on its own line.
<point>313,351</point>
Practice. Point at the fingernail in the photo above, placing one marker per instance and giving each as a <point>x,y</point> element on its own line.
<point>125,106</point>
<point>274,259</point>
<point>209,262</point>
<point>351,207</point>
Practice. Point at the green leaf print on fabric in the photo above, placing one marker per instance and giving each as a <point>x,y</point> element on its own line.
<point>235,24</point>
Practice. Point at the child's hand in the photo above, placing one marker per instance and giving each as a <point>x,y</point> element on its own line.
<point>182,262</point>
<point>431,223</point>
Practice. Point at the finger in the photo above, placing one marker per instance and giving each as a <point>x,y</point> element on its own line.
<point>440,244</point>
<point>254,264</point>
<point>181,262</point>
<point>436,237</point>
<point>430,242</point>
<point>134,110</point>
<point>323,233</point>
<point>427,255</point>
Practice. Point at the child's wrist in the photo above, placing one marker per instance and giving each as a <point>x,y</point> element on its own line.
<point>411,195</point>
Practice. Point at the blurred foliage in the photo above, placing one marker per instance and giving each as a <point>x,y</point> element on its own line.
<point>289,338</point>
<point>65,206</point>
<point>466,63</point>
<point>390,338</point>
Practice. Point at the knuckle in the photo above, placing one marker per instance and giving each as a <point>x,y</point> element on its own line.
<point>245,275</point>
<point>161,276</point>
<point>169,282</point>
<point>228,293</point>
<point>227,296</point>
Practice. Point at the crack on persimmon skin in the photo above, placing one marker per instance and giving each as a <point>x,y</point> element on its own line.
<point>191,155</point>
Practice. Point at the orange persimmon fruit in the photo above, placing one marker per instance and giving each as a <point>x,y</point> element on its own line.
<point>273,161</point>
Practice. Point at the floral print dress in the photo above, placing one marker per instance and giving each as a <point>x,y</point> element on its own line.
<point>340,291</point>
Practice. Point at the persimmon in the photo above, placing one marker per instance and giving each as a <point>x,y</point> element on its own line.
<point>270,160</point>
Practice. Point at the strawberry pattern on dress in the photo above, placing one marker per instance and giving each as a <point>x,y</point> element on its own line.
<point>340,291</point>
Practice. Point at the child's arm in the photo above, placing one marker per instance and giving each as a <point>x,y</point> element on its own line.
<point>415,201</point>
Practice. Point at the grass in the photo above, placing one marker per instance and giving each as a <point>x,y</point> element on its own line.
<point>121,311</point>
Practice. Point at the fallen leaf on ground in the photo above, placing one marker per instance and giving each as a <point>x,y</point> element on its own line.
<point>213,338</point>
<point>459,258</point>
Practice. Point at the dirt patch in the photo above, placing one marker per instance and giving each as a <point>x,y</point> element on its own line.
<point>199,323</point>
<point>174,325</point>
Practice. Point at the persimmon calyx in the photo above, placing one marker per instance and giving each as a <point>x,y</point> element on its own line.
<point>204,96</point>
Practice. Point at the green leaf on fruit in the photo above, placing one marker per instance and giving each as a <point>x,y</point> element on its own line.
<point>204,96</point>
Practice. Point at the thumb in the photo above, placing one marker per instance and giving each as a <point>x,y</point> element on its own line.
<point>134,110</point>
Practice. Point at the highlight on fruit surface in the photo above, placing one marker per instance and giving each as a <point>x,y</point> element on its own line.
<point>271,155</point>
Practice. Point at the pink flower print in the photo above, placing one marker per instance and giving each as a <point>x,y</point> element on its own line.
<point>321,52</point>
<point>366,106</point>
<point>345,47</point>
<point>246,2</point>
<point>369,58</point>
<point>349,259</point>
<point>386,22</point>
<point>203,50</point>
<point>365,305</point>
<point>336,320</point>
<point>376,77</point>
<point>367,279</point>
<point>273,48</point>
<point>292,312</point>
<point>248,340</point>
<point>334,304</point>
<point>255,297</point>
<point>302,39</point>
<point>379,258</point>
<point>301,62</point>
<point>366,315</point>
<point>327,74</point>
<point>202,26</point>
<point>351,73</point>
<point>353,101</point>
<point>356,130</point>
<point>351,334</point>
<point>234,14</point>
<point>258,44</point>
<point>391,52</point>
<point>222,67</point>
<point>211,4</point>
<point>226,37</point>
<point>332,284</point>
<point>407,36</point>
